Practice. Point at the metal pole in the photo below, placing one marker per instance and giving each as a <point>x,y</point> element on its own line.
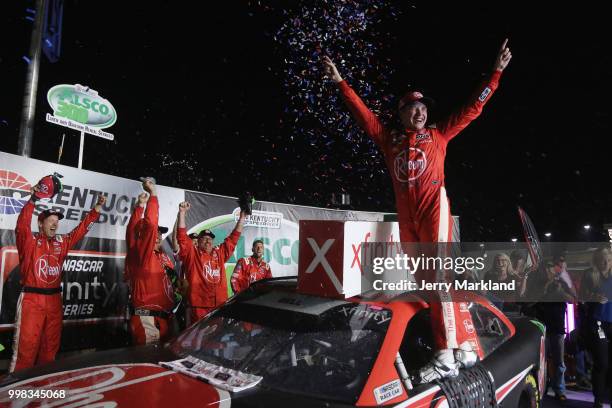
<point>26,131</point>
<point>81,150</point>
<point>61,149</point>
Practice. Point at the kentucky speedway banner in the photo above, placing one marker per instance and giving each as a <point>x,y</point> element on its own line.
<point>94,294</point>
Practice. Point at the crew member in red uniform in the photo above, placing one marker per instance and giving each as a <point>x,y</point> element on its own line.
<point>251,269</point>
<point>147,271</point>
<point>38,322</point>
<point>415,159</point>
<point>205,265</point>
<point>130,234</point>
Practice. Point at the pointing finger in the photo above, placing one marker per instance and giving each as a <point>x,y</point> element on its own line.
<point>504,44</point>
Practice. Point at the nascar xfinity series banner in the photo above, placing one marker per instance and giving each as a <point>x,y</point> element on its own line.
<point>94,294</point>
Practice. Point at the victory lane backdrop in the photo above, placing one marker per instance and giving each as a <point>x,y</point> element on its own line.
<point>94,294</point>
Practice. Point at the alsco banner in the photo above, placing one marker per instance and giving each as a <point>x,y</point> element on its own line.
<point>81,108</point>
<point>93,290</point>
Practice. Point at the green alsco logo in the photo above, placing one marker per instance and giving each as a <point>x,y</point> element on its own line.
<point>81,104</point>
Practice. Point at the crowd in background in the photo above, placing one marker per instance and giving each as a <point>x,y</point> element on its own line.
<point>575,308</point>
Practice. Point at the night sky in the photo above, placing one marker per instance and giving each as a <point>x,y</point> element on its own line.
<point>228,97</point>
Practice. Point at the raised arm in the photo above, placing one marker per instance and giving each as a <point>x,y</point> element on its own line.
<point>366,119</point>
<point>130,232</point>
<point>226,249</point>
<point>23,229</point>
<point>147,234</point>
<point>458,120</point>
<point>175,244</point>
<point>79,232</point>
<point>184,243</point>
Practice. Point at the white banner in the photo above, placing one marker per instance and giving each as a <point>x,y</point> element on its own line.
<point>357,233</point>
<point>81,188</point>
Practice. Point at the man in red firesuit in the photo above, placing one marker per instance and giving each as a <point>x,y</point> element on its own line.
<point>38,322</point>
<point>147,271</point>
<point>205,265</point>
<point>250,269</point>
<point>415,159</point>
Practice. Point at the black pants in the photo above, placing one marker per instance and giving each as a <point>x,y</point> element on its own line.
<point>602,362</point>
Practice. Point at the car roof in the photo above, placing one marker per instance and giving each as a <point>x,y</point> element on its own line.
<point>290,283</point>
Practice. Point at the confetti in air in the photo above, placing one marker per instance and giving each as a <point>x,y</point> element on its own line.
<point>350,33</point>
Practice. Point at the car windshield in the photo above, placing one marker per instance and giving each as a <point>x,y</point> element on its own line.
<point>298,343</point>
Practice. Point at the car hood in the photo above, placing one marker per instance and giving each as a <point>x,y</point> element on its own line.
<point>134,385</point>
<point>134,379</point>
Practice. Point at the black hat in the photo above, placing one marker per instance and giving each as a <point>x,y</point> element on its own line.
<point>205,232</point>
<point>246,201</point>
<point>47,213</point>
<point>161,229</point>
<point>193,235</point>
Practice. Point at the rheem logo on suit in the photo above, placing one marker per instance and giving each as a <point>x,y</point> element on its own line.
<point>212,275</point>
<point>408,169</point>
<point>47,268</point>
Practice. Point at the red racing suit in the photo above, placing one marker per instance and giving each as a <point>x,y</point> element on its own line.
<point>247,271</point>
<point>152,294</point>
<point>415,160</point>
<point>206,273</point>
<point>38,329</point>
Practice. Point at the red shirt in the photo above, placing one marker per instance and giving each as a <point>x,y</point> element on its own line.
<point>41,258</point>
<point>247,271</point>
<point>150,286</point>
<point>206,272</point>
<point>415,159</point>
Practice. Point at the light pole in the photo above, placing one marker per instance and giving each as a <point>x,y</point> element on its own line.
<point>26,131</point>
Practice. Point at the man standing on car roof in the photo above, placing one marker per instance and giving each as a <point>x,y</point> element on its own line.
<point>38,322</point>
<point>205,265</point>
<point>415,158</point>
<point>149,270</point>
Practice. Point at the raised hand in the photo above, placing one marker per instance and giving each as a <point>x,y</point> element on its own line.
<point>100,202</point>
<point>330,70</point>
<point>184,207</point>
<point>503,57</point>
<point>142,199</point>
<point>148,185</point>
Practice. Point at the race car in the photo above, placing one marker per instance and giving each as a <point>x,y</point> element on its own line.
<point>272,346</point>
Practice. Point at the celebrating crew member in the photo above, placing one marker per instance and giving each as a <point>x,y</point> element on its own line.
<point>130,234</point>
<point>205,265</point>
<point>251,269</point>
<point>38,322</point>
<point>415,159</point>
<point>149,271</point>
